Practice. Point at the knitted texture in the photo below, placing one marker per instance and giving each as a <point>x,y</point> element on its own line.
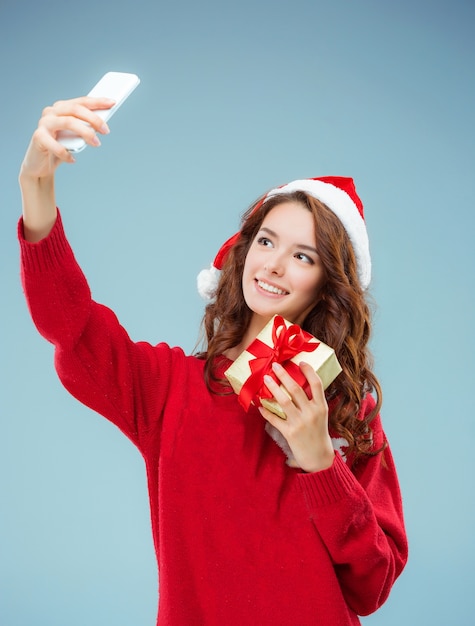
<point>241,538</point>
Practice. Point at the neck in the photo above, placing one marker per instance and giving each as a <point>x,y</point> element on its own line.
<point>256,324</point>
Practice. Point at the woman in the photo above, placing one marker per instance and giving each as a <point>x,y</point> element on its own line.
<point>241,537</point>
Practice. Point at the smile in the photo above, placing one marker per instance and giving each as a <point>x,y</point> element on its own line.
<point>271,288</point>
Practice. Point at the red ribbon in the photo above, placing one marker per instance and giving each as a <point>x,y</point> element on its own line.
<point>286,343</point>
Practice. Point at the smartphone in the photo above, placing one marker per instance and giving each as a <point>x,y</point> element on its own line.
<point>115,85</point>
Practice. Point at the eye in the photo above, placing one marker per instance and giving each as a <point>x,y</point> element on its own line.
<point>305,258</point>
<point>264,241</point>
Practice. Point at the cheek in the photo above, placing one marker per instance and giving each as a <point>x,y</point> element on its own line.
<point>245,271</point>
<point>314,285</point>
<point>308,280</point>
<point>246,274</point>
<point>249,265</point>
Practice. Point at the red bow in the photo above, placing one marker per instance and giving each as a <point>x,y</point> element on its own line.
<point>286,343</point>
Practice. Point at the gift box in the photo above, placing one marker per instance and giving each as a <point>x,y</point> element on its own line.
<point>285,343</point>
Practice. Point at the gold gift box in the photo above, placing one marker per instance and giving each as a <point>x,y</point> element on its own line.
<point>322,359</point>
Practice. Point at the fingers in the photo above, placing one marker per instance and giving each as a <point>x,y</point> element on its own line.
<point>292,397</point>
<point>272,418</point>
<point>314,381</point>
<point>286,396</point>
<point>306,426</point>
<point>75,115</point>
<point>82,109</point>
<point>296,391</point>
<point>48,145</point>
<point>52,125</point>
<point>79,116</point>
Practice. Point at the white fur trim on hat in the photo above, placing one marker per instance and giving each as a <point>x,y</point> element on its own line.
<point>347,212</point>
<point>346,205</point>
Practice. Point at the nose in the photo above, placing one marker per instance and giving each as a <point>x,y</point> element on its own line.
<point>274,265</point>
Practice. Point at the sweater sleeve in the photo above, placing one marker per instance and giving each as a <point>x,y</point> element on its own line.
<point>358,514</point>
<point>95,359</point>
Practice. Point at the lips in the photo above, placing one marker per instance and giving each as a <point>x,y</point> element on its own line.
<point>272,289</point>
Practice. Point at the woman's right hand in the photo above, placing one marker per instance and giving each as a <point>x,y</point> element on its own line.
<point>45,153</point>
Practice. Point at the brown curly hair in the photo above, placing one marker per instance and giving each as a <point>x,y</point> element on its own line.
<point>340,318</point>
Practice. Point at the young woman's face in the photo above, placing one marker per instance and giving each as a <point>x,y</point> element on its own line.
<point>283,272</point>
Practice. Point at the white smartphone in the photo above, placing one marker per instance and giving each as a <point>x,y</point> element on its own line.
<point>115,85</point>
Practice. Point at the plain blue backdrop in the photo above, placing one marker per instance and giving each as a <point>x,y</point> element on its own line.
<point>237,97</point>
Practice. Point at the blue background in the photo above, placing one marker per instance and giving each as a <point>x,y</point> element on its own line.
<point>236,98</point>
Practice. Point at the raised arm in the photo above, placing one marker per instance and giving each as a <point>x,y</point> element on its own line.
<point>95,359</point>
<point>45,153</point>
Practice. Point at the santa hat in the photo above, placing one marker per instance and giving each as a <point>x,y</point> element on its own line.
<point>338,193</point>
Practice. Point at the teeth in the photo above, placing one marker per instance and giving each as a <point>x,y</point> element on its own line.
<point>270,288</point>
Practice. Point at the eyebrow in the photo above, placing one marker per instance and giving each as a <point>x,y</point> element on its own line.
<point>297,245</point>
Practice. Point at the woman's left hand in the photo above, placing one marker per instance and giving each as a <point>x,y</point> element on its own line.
<point>306,426</point>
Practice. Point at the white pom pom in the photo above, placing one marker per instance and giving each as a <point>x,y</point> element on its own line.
<point>207,281</point>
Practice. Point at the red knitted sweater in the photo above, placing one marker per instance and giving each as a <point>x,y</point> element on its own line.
<point>240,537</point>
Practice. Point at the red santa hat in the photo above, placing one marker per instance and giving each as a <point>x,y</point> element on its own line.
<point>338,193</point>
